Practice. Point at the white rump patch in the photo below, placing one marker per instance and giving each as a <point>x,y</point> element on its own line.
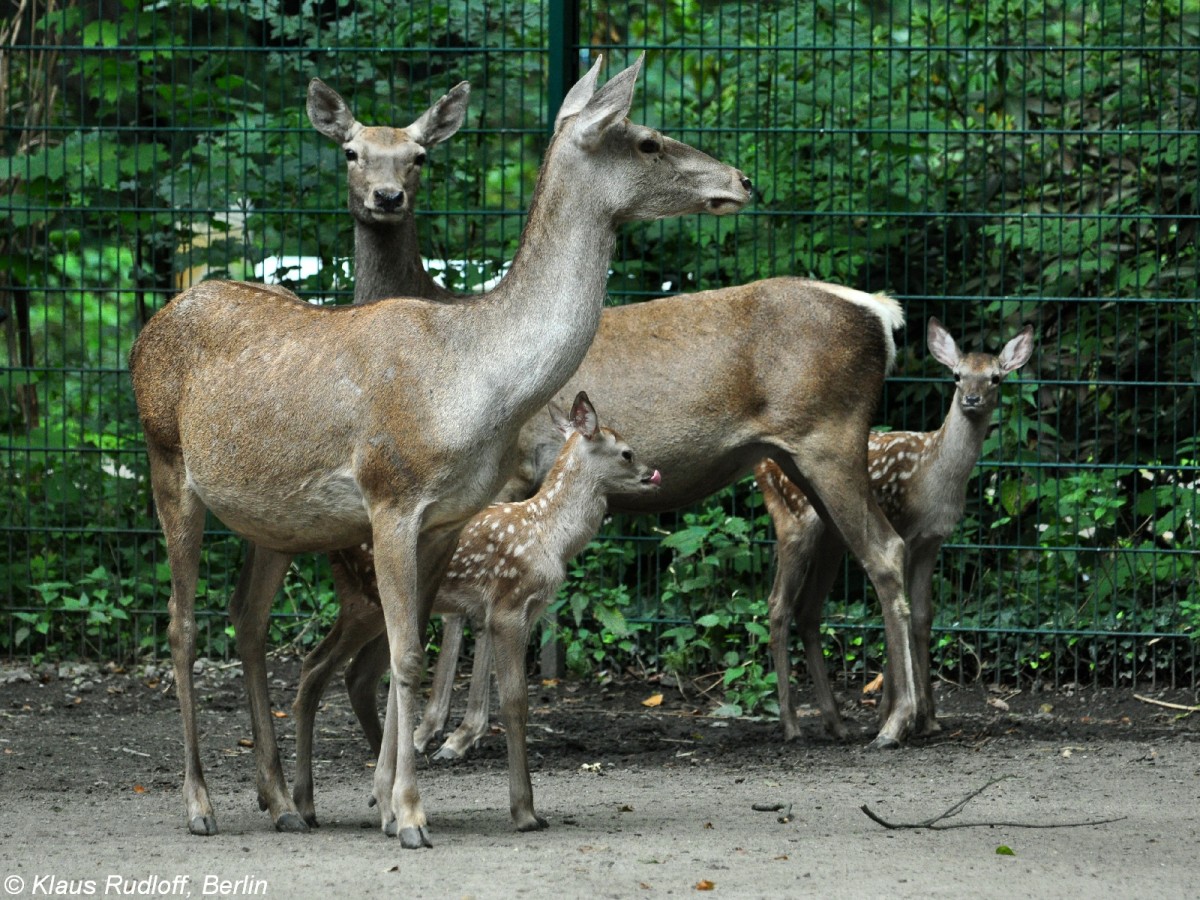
<point>888,310</point>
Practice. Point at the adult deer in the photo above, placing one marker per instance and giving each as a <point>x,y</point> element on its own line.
<point>383,172</point>
<point>509,563</point>
<point>310,428</point>
<point>784,369</point>
<point>920,480</point>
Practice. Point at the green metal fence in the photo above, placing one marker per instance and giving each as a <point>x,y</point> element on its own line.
<point>990,164</point>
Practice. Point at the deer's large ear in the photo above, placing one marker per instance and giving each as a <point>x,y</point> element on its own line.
<point>606,107</point>
<point>328,112</point>
<point>1017,351</point>
<point>941,345</point>
<point>580,94</point>
<point>559,418</point>
<point>442,119</point>
<point>583,416</point>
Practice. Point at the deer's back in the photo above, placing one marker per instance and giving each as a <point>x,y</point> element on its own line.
<point>706,384</point>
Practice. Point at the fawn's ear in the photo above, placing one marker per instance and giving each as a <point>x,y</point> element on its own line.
<point>607,107</point>
<point>1017,351</point>
<point>329,113</point>
<point>442,119</point>
<point>583,416</point>
<point>561,420</point>
<point>941,345</point>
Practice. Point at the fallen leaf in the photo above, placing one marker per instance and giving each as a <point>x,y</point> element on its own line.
<point>245,742</point>
<point>704,885</point>
<point>549,682</point>
<point>279,714</point>
<point>626,808</point>
<point>783,857</point>
<point>1004,850</point>
<point>653,700</point>
<point>1066,754</point>
<point>644,886</point>
<point>997,703</point>
<point>875,685</point>
<point>708,825</point>
<point>1046,708</point>
<point>138,789</point>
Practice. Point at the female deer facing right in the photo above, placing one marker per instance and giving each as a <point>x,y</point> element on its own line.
<point>920,481</point>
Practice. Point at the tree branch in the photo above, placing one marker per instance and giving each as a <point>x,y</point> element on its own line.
<point>932,822</point>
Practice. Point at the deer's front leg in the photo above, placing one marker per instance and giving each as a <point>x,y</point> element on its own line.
<point>921,564</point>
<point>437,710</point>
<point>474,724</point>
<point>510,637</point>
<point>395,784</point>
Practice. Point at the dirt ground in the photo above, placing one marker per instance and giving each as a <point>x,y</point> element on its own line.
<point>642,802</point>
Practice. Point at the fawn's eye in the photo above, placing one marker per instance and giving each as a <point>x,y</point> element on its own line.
<point>957,378</point>
<point>627,455</point>
<point>649,145</point>
<point>351,155</point>
<point>995,379</point>
<point>420,160</point>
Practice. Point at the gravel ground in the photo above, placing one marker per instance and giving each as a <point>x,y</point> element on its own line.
<point>642,802</point>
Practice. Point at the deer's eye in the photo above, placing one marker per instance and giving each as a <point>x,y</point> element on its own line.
<point>957,378</point>
<point>627,455</point>
<point>649,146</point>
<point>420,160</point>
<point>351,155</point>
<point>995,379</point>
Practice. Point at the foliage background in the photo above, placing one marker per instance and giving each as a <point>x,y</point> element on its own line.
<point>990,164</point>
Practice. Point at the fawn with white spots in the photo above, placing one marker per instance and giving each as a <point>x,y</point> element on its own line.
<point>920,480</point>
<point>507,568</point>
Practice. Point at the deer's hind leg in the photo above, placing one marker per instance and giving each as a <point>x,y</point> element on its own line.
<point>250,609</point>
<point>182,516</point>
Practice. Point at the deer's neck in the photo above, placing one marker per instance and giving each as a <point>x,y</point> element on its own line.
<point>536,325</point>
<point>387,263</point>
<point>954,448</point>
<point>566,512</point>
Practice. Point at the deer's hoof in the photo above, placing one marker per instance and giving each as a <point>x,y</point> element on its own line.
<point>446,753</point>
<point>883,742</point>
<point>413,838</point>
<point>291,822</point>
<point>310,819</point>
<point>537,823</point>
<point>203,825</point>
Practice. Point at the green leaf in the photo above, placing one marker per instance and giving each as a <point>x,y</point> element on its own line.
<point>1004,850</point>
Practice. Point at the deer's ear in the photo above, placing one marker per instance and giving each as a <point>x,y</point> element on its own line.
<point>580,94</point>
<point>1017,351</point>
<point>941,345</point>
<point>328,112</point>
<point>442,119</point>
<point>559,418</point>
<point>583,416</point>
<point>606,107</point>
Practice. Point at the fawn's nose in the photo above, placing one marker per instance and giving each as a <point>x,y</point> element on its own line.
<point>747,183</point>
<point>388,200</point>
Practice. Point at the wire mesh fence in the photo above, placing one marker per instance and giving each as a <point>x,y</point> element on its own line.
<point>990,164</point>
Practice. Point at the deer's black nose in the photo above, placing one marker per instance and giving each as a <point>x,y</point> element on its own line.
<point>747,184</point>
<point>387,200</point>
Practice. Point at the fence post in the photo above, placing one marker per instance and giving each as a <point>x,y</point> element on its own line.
<point>564,72</point>
<point>564,55</point>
